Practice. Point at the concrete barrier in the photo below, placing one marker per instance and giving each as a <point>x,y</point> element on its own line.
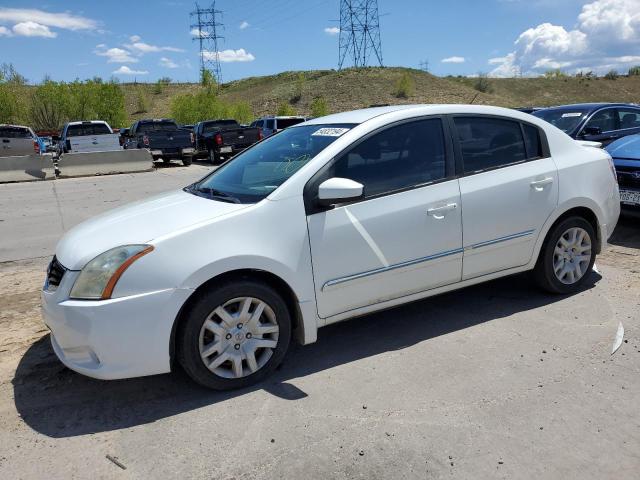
<point>104,163</point>
<point>25,168</point>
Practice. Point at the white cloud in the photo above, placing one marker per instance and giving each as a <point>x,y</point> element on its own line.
<point>33,29</point>
<point>167,63</point>
<point>332,30</point>
<point>124,70</point>
<point>243,25</point>
<point>227,56</point>
<point>115,55</point>
<point>607,31</point>
<point>453,60</point>
<point>198,33</point>
<point>497,60</point>
<point>65,21</point>
<point>141,48</point>
<point>5,32</point>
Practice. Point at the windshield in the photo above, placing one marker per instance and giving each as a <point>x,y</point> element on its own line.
<point>565,119</point>
<point>258,171</point>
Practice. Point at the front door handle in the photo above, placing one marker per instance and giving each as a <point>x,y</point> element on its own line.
<point>539,185</point>
<point>440,212</point>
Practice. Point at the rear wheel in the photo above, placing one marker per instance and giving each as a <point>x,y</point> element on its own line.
<point>567,256</point>
<point>186,161</point>
<point>234,336</point>
<point>212,156</point>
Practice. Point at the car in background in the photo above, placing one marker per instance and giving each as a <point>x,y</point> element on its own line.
<point>17,140</point>
<point>594,122</point>
<point>528,109</point>
<point>626,159</point>
<point>332,219</point>
<point>274,124</point>
<point>164,138</point>
<point>88,136</point>
<point>219,140</point>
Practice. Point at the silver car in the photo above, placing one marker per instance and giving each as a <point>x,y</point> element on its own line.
<point>18,140</point>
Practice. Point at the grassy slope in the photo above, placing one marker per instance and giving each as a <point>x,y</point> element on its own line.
<point>350,89</point>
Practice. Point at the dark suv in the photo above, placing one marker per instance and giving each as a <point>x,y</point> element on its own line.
<point>596,122</point>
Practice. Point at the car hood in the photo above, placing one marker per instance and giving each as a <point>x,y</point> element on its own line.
<point>626,147</point>
<point>137,223</point>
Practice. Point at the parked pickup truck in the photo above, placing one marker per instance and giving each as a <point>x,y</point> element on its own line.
<point>89,136</point>
<point>219,140</point>
<point>18,140</point>
<point>164,138</point>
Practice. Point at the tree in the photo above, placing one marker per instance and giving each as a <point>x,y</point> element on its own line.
<point>301,80</point>
<point>319,107</point>
<point>49,106</point>
<point>612,75</point>
<point>482,83</point>
<point>634,71</point>
<point>142,105</point>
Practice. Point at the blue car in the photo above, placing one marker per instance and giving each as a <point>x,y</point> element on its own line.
<point>595,122</point>
<point>626,158</point>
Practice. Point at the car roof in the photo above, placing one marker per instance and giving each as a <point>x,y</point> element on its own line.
<point>14,126</point>
<point>84,122</point>
<point>589,106</point>
<point>365,114</point>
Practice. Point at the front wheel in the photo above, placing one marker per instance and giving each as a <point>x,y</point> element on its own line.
<point>235,335</point>
<point>567,256</point>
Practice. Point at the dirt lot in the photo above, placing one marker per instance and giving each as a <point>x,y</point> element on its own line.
<point>495,381</point>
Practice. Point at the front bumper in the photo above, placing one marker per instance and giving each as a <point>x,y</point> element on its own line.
<point>110,339</point>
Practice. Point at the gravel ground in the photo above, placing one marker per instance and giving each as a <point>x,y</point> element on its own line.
<point>494,381</point>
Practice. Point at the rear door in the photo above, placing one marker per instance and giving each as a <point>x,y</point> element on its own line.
<point>15,141</point>
<point>508,187</point>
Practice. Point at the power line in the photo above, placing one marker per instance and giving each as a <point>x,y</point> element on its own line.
<point>359,32</point>
<point>206,34</point>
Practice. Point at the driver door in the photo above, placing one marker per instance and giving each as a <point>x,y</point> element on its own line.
<point>404,236</point>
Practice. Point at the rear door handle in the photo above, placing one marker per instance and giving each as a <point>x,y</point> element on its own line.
<point>440,212</point>
<point>539,185</point>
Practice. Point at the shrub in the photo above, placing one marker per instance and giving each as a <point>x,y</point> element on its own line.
<point>205,105</point>
<point>299,88</point>
<point>482,83</point>
<point>555,73</point>
<point>319,107</point>
<point>142,105</point>
<point>285,110</point>
<point>612,75</point>
<point>405,86</point>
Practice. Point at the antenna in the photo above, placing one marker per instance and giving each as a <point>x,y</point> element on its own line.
<point>206,33</point>
<point>359,32</point>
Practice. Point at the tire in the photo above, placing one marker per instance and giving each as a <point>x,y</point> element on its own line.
<point>166,160</point>
<point>567,257</point>
<point>221,338</point>
<point>212,157</point>
<point>186,161</point>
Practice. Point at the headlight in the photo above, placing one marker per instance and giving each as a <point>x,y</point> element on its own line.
<point>98,278</point>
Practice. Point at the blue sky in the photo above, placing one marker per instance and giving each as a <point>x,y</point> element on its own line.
<point>151,39</point>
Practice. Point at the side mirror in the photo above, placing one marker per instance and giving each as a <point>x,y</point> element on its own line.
<point>592,131</point>
<point>339,190</point>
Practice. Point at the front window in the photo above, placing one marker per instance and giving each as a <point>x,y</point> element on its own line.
<point>566,120</point>
<point>258,171</point>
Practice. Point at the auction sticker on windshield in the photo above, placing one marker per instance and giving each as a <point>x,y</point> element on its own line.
<point>329,132</point>
<point>572,114</point>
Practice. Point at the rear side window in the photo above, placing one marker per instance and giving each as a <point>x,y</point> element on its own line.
<point>532,141</point>
<point>270,124</point>
<point>400,157</point>
<point>629,118</point>
<point>288,122</point>
<point>14,132</point>
<point>488,143</point>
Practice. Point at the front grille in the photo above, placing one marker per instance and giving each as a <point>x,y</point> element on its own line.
<point>628,176</point>
<point>55,272</point>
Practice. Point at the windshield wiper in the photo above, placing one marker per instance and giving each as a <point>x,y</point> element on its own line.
<point>218,195</point>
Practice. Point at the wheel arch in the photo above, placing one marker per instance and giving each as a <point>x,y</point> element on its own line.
<point>269,278</point>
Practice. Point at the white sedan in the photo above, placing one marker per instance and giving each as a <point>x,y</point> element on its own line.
<point>328,220</point>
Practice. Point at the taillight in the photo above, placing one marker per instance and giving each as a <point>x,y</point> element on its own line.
<point>260,134</point>
<point>193,139</point>
<point>218,139</point>
<point>36,147</point>
<point>145,140</point>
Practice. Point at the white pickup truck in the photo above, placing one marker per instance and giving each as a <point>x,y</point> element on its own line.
<point>91,136</point>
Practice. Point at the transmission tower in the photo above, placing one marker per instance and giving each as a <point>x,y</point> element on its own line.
<point>205,32</point>
<point>359,32</point>
<point>424,66</point>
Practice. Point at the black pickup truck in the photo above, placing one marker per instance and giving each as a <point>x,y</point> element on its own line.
<point>219,140</point>
<point>163,137</point>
